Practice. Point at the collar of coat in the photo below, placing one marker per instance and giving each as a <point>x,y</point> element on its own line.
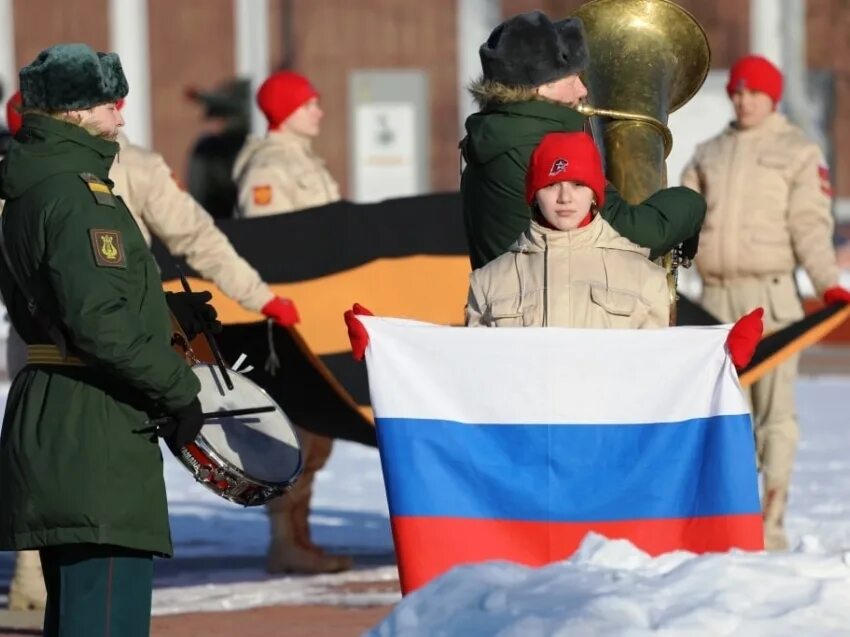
<point>774,123</point>
<point>57,129</point>
<point>523,100</point>
<point>597,234</point>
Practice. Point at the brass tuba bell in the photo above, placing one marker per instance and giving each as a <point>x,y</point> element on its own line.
<point>647,59</point>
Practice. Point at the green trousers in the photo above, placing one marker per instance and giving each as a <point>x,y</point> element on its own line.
<point>97,590</point>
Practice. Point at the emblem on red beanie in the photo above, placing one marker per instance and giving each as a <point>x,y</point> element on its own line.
<point>565,157</point>
<point>558,166</point>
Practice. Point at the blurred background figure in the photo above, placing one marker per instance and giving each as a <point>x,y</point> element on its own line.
<point>226,125</point>
<point>274,174</point>
<point>769,211</point>
<point>280,172</point>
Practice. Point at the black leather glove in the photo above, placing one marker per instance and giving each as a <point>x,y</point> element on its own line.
<point>183,427</point>
<point>689,247</point>
<point>193,311</point>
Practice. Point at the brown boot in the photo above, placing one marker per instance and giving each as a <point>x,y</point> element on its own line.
<point>291,549</point>
<point>27,591</point>
<point>286,556</point>
<point>773,513</point>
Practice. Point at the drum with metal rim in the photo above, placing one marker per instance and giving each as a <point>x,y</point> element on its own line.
<point>249,459</point>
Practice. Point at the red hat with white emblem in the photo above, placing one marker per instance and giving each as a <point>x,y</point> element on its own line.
<point>755,73</point>
<point>565,157</point>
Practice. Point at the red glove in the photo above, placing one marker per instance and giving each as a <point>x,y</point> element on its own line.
<point>744,336</point>
<point>836,294</point>
<point>356,332</point>
<point>281,311</point>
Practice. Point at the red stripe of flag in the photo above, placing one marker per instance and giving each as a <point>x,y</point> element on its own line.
<point>427,547</point>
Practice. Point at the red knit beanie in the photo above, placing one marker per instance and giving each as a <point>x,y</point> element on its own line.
<point>14,119</point>
<point>282,94</point>
<point>565,157</point>
<point>755,73</point>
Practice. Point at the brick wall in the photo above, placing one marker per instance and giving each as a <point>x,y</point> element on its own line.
<point>192,44</point>
<point>43,23</point>
<point>333,37</point>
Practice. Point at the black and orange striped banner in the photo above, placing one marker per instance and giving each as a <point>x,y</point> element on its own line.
<point>401,257</point>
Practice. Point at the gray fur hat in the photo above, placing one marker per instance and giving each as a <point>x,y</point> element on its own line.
<point>530,50</point>
<point>69,77</point>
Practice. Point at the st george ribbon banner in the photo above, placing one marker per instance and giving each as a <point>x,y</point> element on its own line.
<point>513,444</point>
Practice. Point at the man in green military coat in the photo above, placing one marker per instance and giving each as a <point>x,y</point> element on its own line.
<point>80,471</point>
<point>529,86</point>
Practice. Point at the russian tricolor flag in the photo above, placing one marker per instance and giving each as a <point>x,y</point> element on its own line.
<point>514,443</point>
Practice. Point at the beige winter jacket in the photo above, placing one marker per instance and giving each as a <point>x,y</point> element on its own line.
<point>769,199</point>
<point>162,208</point>
<point>590,277</point>
<point>281,173</point>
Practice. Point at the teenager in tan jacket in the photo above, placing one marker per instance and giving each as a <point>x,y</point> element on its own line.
<point>275,174</point>
<point>570,268</point>
<point>280,172</point>
<point>769,197</point>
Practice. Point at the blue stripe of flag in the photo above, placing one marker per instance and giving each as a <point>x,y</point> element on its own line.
<point>569,473</point>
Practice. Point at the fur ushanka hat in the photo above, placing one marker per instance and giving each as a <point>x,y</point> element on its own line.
<point>69,77</point>
<point>530,50</point>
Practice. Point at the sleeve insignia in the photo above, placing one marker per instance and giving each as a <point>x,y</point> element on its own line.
<point>108,248</point>
<point>825,183</point>
<point>99,190</point>
<point>262,195</point>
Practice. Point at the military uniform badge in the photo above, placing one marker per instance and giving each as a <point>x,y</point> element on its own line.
<point>101,192</point>
<point>262,195</point>
<point>108,248</point>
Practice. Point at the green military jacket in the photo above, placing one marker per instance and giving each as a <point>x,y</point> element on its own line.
<point>497,149</point>
<point>78,462</point>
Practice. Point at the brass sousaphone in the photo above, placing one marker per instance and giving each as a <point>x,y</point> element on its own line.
<point>647,59</point>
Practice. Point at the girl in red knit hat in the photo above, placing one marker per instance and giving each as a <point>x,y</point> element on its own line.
<point>570,268</point>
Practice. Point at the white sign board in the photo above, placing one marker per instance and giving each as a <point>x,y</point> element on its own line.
<point>385,151</point>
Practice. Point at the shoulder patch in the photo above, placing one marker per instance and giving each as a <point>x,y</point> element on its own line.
<point>108,248</point>
<point>262,195</point>
<point>101,192</point>
<point>825,182</point>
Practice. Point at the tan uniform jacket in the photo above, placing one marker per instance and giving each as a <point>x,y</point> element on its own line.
<point>590,277</point>
<point>162,208</point>
<point>281,173</point>
<point>768,197</point>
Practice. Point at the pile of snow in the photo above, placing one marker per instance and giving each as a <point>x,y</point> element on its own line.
<point>612,588</point>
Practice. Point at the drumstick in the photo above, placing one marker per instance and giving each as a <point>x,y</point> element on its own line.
<point>212,415</point>
<point>219,360</point>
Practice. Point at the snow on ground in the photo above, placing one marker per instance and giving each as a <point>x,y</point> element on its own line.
<point>612,588</point>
